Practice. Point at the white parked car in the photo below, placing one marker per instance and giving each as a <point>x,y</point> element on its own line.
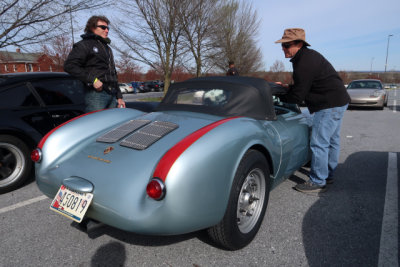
<point>125,88</point>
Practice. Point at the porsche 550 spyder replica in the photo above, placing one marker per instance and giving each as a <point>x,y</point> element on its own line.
<point>206,158</point>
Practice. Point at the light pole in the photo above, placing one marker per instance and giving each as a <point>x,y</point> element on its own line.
<point>72,26</point>
<point>372,59</point>
<point>387,50</point>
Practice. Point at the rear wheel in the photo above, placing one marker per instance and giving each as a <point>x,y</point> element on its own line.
<point>247,203</point>
<point>15,163</point>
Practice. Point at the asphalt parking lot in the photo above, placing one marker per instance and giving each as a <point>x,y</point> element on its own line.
<point>355,223</point>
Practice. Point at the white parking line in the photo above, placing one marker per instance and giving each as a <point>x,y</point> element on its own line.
<point>22,204</point>
<point>389,251</point>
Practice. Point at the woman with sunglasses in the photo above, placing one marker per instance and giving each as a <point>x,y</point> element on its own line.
<point>318,85</point>
<point>91,61</point>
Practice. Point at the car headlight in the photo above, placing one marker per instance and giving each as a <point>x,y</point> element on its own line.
<point>377,93</point>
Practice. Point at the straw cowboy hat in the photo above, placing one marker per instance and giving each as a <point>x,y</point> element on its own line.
<point>293,34</point>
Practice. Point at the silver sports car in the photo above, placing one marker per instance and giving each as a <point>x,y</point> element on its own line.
<point>206,158</point>
<point>367,93</point>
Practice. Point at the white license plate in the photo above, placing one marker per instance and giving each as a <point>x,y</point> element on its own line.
<point>71,204</point>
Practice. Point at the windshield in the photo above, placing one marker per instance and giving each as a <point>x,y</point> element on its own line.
<point>365,85</point>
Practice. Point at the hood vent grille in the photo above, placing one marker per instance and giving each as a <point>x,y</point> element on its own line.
<point>122,131</point>
<point>149,134</point>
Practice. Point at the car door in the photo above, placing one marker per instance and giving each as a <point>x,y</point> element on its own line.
<point>23,111</point>
<point>63,97</point>
<point>295,127</point>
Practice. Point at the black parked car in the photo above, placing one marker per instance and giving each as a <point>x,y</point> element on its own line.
<point>31,104</point>
<point>152,86</point>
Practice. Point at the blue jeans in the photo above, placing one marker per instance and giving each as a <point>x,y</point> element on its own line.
<point>325,143</point>
<point>99,100</point>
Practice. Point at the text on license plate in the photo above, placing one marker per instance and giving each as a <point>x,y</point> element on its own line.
<point>71,204</point>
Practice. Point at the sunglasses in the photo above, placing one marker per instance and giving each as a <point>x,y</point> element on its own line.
<point>103,27</point>
<point>287,45</point>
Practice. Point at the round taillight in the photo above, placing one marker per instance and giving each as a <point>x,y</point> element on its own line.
<point>156,189</point>
<point>36,155</point>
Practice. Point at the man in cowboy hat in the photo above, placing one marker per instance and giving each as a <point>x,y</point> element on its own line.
<point>317,84</point>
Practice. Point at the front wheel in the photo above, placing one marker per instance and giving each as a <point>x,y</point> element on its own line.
<point>247,203</point>
<point>15,163</point>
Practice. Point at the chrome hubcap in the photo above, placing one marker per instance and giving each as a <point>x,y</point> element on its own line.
<point>251,200</point>
<point>11,163</point>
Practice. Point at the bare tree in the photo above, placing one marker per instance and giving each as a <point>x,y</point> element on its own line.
<point>58,50</point>
<point>153,34</point>
<point>234,37</point>
<point>27,22</point>
<point>277,72</point>
<point>197,18</point>
<point>278,66</point>
<point>128,70</point>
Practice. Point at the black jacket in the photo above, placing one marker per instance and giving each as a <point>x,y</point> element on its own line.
<point>92,58</point>
<point>232,72</point>
<point>315,82</point>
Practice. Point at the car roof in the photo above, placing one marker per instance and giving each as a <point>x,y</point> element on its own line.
<point>366,80</point>
<point>23,76</point>
<point>251,97</point>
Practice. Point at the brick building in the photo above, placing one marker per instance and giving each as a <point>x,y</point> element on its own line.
<point>11,62</point>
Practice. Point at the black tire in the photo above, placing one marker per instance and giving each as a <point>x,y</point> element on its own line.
<point>15,162</point>
<point>247,204</point>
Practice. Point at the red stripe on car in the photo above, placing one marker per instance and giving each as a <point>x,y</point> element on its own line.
<point>41,143</point>
<point>166,162</point>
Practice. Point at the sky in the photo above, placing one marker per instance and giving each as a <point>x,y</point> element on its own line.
<point>351,34</point>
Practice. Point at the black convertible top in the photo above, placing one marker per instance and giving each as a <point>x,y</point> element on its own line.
<point>248,96</point>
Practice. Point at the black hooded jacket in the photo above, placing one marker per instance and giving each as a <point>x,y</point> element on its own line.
<point>92,58</point>
<point>315,82</point>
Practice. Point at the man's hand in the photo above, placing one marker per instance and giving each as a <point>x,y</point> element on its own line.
<point>98,85</point>
<point>121,103</point>
<point>283,85</point>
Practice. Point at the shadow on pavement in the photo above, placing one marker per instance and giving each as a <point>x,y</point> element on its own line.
<point>137,239</point>
<point>343,227</point>
<point>111,254</point>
